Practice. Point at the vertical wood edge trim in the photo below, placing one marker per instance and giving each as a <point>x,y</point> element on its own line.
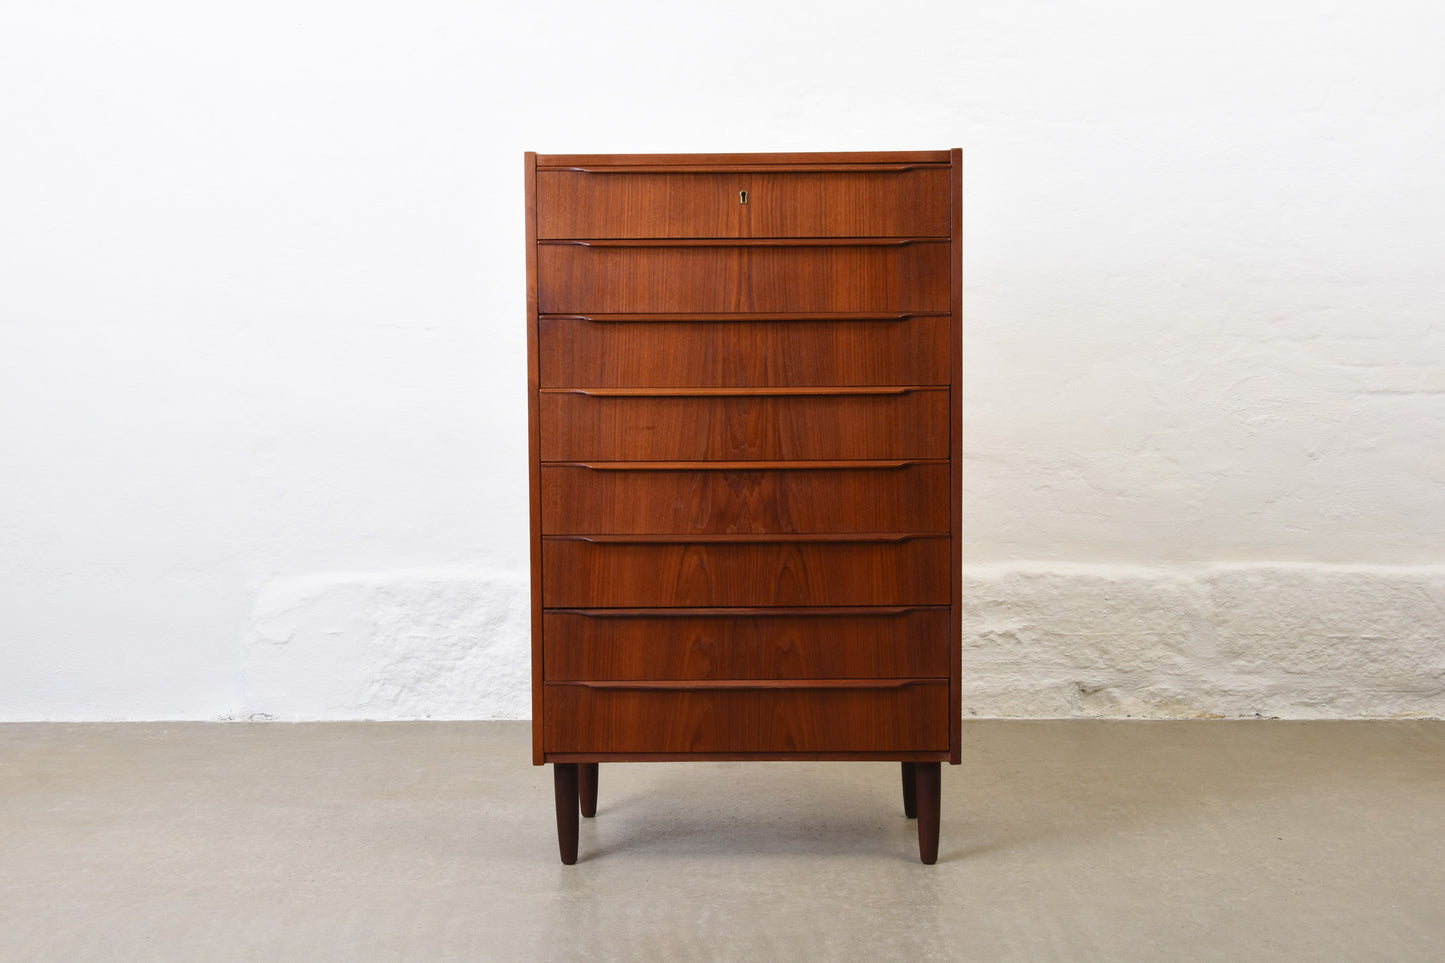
<point>534,460</point>
<point>955,700</point>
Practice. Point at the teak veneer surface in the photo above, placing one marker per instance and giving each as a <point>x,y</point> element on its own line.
<point>666,350</point>
<point>581,719</point>
<point>910,571</point>
<point>901,497</point>
<point>798,160</point>
<point>908,423</point>
<point>853,642</point>
<point>912,202</point>
<point>882,277</point>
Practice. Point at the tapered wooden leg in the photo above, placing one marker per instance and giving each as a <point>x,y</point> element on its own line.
<point>928,791</point>
<point>587,787</point>
<point>564,786</point>
<point>910,791</point>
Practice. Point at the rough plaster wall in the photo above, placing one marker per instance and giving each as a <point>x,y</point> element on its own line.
<point>1297,641</point>
<point>262,441</point>
<point>431,645</point>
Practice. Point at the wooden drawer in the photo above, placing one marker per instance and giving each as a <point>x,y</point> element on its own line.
<point>721,425</point>
<point>893,201</point>
<point>719,350</point>
<point>632,277</point>
<point>603,571</point>
<point>713,498</point>
<point>886,717</point>
<point>761,643</point>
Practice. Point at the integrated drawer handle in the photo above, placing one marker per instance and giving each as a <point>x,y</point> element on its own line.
<point>742,241</point>
<point>730,684</point>
<point>686,318</point>
<point>742,465</point>
<point>736,392</point>
<point>743,539</point>
<point>744,610</point>
<point>744,168</point>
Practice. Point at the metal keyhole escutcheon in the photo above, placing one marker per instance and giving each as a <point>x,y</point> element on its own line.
<point>742,197</point>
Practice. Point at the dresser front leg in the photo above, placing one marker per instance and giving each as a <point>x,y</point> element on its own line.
<point>927,782</point>
<point>564,787</point>
<point>910,790</point>
<point>587,787</point>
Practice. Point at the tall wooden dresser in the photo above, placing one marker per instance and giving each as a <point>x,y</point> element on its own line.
<point>745,463</point>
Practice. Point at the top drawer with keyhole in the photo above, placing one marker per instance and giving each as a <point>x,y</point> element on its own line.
<point>877,200</point>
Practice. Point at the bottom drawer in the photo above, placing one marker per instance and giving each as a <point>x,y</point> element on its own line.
<point>907,716</point>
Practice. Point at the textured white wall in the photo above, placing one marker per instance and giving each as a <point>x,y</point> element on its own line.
<point>262,438</point>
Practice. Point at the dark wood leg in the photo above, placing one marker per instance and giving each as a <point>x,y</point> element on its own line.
<point>564,786</point>
<point>587,787</point>
<point>910,790</point>
<point>928,791</point>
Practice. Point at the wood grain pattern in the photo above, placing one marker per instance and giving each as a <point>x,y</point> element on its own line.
<point>842,755</point>
<point>579,574</point>
<point>578,427</point>
<point>911,202</point>
<point>778,160</point>
<point>776,720</point>
<point>578,280</point>
<point>906,351</point>
<point>912,497</point>
<point>777,643</point>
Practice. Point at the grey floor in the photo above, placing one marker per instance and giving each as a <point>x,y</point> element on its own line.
<point>435,841</point>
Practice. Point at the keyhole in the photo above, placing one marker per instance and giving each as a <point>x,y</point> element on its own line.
<point>742,197</point>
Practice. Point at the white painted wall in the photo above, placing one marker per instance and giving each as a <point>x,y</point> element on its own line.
<point>262,439</point>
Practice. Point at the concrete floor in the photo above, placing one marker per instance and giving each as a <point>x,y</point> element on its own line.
<point>435,841</point>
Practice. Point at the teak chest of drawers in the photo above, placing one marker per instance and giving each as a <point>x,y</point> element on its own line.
<point>745,434</point>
